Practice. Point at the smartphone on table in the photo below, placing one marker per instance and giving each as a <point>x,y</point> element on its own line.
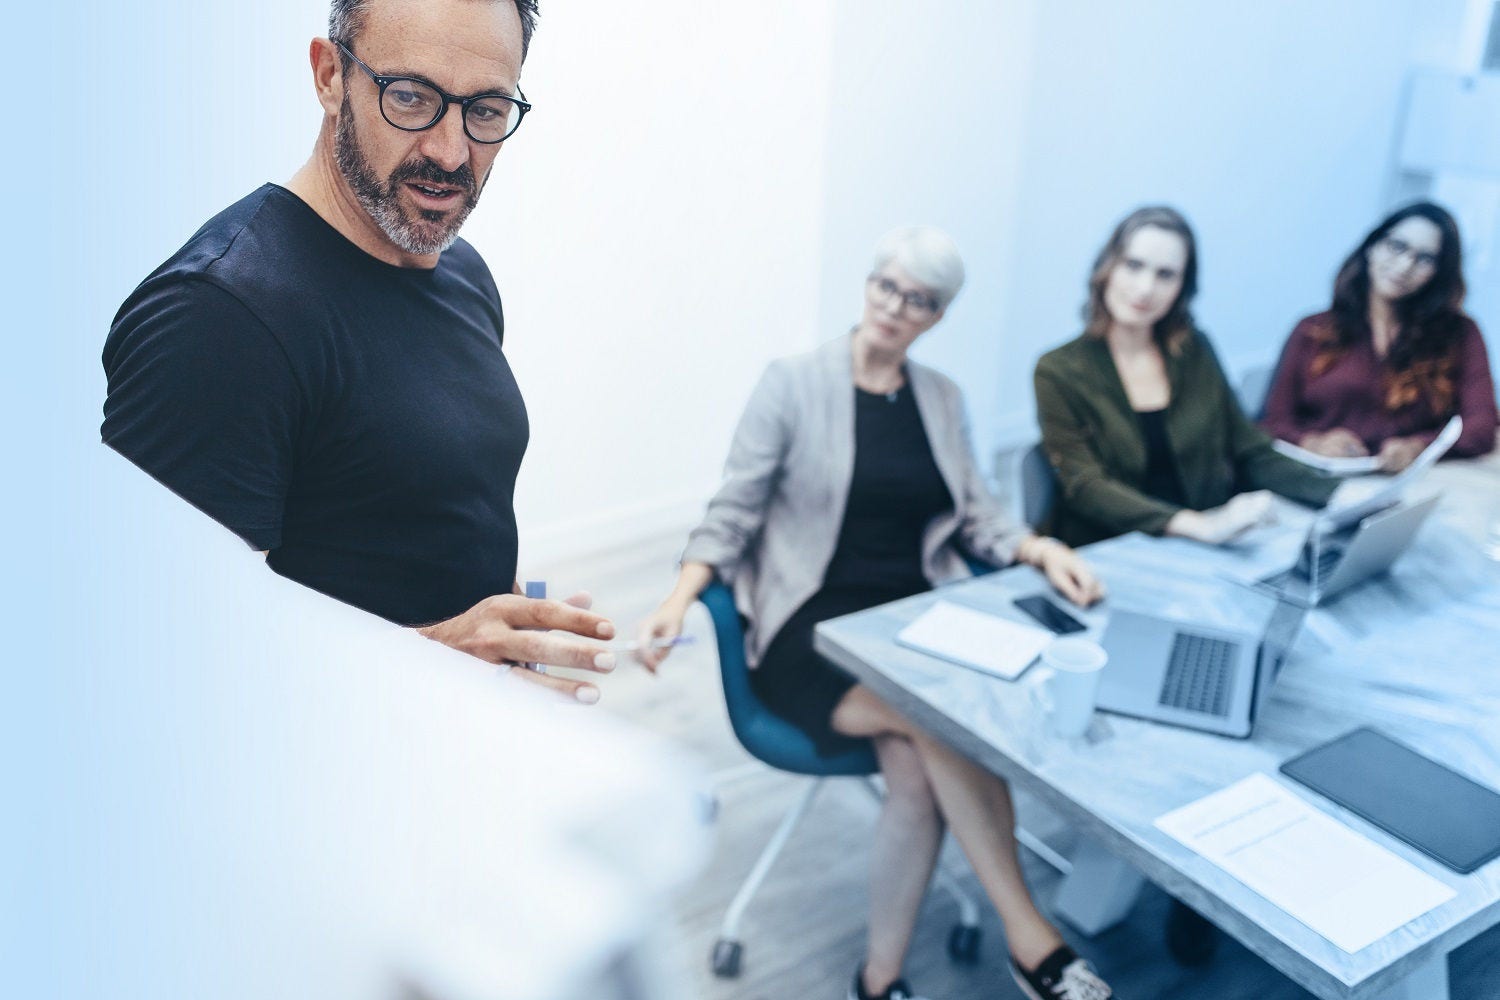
<point>1049,615</point>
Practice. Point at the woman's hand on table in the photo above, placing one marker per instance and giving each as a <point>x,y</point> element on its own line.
<point>1355,491</point>
<point>1226,522</point>
<point>1067,571</point>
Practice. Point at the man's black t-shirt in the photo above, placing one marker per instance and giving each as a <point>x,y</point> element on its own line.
<point>356,419</point>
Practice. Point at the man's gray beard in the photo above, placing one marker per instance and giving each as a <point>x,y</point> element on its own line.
<point>382,203</point>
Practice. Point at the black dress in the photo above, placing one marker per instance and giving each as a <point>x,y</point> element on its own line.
<point>1162,480</point>
<point>895,491</point>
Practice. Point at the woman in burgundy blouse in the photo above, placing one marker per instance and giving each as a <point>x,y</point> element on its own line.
<point>1395,356</point>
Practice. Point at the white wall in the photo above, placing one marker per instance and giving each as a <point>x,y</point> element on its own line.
<point>1472,195</point>
<point>1038,125</point>
<point>927,112</point>
<point>655,235</point>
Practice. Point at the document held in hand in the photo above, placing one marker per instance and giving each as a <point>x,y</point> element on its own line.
<point>1391,489</point>
<point>974,639</point>
<point>1338,882</point>
<point>1359,465</point>
<point>1365,464</point>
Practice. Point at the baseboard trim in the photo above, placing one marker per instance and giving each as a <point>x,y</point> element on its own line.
<point>559,541</point>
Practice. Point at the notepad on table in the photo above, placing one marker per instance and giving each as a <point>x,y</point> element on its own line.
<point>975,639</point>
<point>1324,874</point>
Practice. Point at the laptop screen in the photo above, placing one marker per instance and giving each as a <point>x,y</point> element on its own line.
<point>1281,634</point>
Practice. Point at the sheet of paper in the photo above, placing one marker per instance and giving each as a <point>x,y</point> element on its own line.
<point>1390,491</point>
<point>1338,882</point>
<point>1337,466</point>
<point>974,639</point>
<point>1439,447</point>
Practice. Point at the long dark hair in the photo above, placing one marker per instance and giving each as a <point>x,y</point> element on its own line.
<point>1174,329</point>
<point>1422,356</point>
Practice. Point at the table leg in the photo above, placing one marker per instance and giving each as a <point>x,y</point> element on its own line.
<point>1426,982</point>
<point>1099,891</point>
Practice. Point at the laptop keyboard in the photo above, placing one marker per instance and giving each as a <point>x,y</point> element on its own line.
<point>1327,560</point>
<point>1200,673</point>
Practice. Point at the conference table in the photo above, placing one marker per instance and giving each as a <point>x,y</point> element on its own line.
<point>1414,653</point>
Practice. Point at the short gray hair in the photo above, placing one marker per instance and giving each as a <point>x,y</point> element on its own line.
<point>928,256</point>
<point>346,19</point>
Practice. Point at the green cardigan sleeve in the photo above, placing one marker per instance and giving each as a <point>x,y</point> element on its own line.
<point>1088,487</point>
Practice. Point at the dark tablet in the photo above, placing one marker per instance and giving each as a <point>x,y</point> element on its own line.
<point>1441,813</point>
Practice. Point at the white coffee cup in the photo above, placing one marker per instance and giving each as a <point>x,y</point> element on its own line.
<point>1068,693</point>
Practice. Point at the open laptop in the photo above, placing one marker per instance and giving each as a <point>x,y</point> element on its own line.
<point>1330,563</point>
<point>1190,675</point>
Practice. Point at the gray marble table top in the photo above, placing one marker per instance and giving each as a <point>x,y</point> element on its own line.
<point>1415,653</point>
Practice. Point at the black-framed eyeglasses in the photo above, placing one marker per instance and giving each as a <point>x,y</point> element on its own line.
<point>1398,247</point>
<point>414,105</point>
<point>917,305</point>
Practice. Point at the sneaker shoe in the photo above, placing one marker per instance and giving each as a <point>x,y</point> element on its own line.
<point>896,991</point>
<point>1062,975</point>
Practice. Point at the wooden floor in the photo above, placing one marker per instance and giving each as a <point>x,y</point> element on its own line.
<point>804,933</point>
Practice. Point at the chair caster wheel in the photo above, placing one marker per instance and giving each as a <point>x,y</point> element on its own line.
<point>726,958</point>
<point>963,944</point>
<point>1191,939</point>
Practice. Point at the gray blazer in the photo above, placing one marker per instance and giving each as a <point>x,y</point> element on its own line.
<point>771,529</point>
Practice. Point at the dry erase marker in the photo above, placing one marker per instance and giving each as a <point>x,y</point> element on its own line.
<point>536,590</point>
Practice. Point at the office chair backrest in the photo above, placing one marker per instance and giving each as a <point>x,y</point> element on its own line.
<point>763,733</point>
<point>734,668</point>
<point>1034,485</point>
<point>1254,386</point>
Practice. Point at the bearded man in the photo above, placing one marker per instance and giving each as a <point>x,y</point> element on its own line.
<point>320,368</point>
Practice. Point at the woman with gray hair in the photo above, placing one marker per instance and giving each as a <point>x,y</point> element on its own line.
<point>851,482</point>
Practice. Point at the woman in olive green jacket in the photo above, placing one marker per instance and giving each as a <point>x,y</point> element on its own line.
<point>1137,418</point>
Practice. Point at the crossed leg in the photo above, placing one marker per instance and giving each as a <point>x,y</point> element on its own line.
<point>974,803</point>
<point>907,838</point>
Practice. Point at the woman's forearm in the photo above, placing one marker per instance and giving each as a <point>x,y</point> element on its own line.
<point>691,580</point>
<point>1033,550</point>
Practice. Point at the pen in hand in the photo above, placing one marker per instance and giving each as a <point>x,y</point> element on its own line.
<point>632,646</point>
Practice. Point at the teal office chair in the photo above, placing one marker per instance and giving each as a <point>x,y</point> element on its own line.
<point>1254,386</point>
<point>774,741</point>
<point>1033,485</point>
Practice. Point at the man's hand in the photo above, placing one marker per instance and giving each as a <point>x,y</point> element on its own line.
<point>508,628</point>
<point>1336,443</point>
<point>1399,452</point>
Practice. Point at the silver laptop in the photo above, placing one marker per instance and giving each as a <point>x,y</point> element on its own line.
<point>1189,675</point>
<point>1329,564</point>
